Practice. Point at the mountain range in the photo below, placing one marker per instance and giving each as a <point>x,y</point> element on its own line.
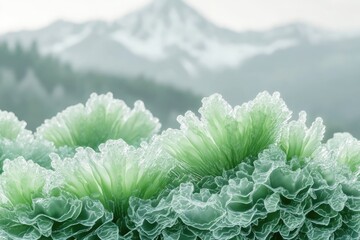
<point>167,40</point>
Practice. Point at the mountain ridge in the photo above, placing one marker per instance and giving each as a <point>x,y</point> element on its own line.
<point>163,30</point>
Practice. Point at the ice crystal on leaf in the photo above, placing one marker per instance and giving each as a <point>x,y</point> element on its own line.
<point>346,150</point>
<point>225,136</point>
<point>10,126</point>
<point>31,209</point>
<point>299,141</point>
<point>101,119</point>
<point>16,141</point>
<point>114,174</point>
<point>22,181</point>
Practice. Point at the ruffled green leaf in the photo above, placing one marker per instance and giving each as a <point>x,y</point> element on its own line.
<point>22,181</point>
<point>114,174</point>
<point>27,146</point>
<point>16,141</point>
<point>101,119</point>
<point>269,199</point>
<point>31,207</point>
<point>299,141</point>
<point>224,136</point>
<point>10,126</point>
<point>345,149</point>
<point>58,217</point>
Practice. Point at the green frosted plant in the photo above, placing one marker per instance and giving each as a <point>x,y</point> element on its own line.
<point>246,172</point>
<point>30,209</point>
<point>225,136</point>
<point>101,119</point>
<point>16,141</point>
<point>299,141</point>
<point>10,126</point>
<point>345,149</point>
<point>264,199</point>
<point>22,181</point>
<point>114,174</point>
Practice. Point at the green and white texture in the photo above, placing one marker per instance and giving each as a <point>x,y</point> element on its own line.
<point>104,171</point>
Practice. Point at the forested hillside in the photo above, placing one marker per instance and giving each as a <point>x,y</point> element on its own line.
<point>35,87</point>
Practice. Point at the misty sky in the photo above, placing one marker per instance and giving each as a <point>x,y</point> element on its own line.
<point>233,14</point>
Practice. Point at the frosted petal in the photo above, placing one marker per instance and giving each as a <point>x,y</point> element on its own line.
<point>224,137</point>
<point>261,122</point>
<point>22,181</point>
<point>299,141</point>
<point>10,126</point>
<point>101,119</point>
<point>114,174</point>
<point>35,149</point>
<point>345,149</point>
<point>16,141</point>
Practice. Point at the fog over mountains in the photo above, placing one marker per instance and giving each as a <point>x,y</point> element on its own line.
<point>168,41</point>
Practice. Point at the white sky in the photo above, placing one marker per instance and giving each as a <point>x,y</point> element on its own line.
<point>234,14</point>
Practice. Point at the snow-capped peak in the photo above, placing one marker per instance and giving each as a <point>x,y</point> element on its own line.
<point>170,13</point>
<point>165,27</point>
<point>167,4</point>
<point>160,25</point>
<point>167,30</point>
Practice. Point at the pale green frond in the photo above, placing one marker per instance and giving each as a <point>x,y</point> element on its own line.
<point>114,174</point>
<point>101,119</point>
<point>345,149</point>
<point>223,136</point>
<point>297,140</point>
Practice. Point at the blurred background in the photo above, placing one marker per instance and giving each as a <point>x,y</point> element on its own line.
<point>171,53</point>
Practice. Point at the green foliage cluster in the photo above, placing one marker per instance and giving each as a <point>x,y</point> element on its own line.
<point>55,85</point>
<point>102,171</point>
